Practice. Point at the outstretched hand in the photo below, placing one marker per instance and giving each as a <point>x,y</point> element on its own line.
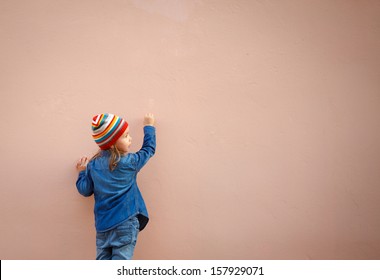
<point>149,119</point>
<point>82,164</point>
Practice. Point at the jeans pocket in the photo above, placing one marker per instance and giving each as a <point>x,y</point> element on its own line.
<point>101,239</point>
<point>124,234</point>
<point>128,231</point>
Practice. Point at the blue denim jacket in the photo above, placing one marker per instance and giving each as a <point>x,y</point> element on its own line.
<point>117,196</point>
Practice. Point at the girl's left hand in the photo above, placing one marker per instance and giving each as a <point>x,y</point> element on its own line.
<point>82,164</point>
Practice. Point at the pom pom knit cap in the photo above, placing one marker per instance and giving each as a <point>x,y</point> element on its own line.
<point>106,129</point>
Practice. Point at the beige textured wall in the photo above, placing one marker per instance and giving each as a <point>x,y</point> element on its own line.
<point>268,124</point>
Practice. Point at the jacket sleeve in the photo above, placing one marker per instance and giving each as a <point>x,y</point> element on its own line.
<point>148,148</point>
<point>85,184</point>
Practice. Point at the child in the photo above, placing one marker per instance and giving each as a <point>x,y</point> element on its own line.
<point>120,211</point>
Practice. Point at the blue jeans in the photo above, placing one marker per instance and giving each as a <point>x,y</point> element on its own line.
<point>118,243</point>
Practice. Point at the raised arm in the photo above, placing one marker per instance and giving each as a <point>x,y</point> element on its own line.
<point>84,183</point>
<point>149,144</point>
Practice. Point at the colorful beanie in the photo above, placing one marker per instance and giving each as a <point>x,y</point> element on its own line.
<point>106,129</point>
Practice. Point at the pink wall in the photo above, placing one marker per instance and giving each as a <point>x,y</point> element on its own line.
<point>267,117</point>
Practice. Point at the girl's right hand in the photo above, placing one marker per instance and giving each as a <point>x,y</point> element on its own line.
<point>149,119</point>
<point>82,164</point>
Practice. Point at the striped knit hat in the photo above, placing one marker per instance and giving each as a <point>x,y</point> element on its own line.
<point>106,129</point>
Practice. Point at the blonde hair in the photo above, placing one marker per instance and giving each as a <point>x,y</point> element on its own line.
<point>114,158</point>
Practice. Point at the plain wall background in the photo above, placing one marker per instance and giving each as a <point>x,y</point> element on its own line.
<point>268,135</point>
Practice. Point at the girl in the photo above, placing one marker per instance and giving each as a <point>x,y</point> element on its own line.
<point>120,211</point>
